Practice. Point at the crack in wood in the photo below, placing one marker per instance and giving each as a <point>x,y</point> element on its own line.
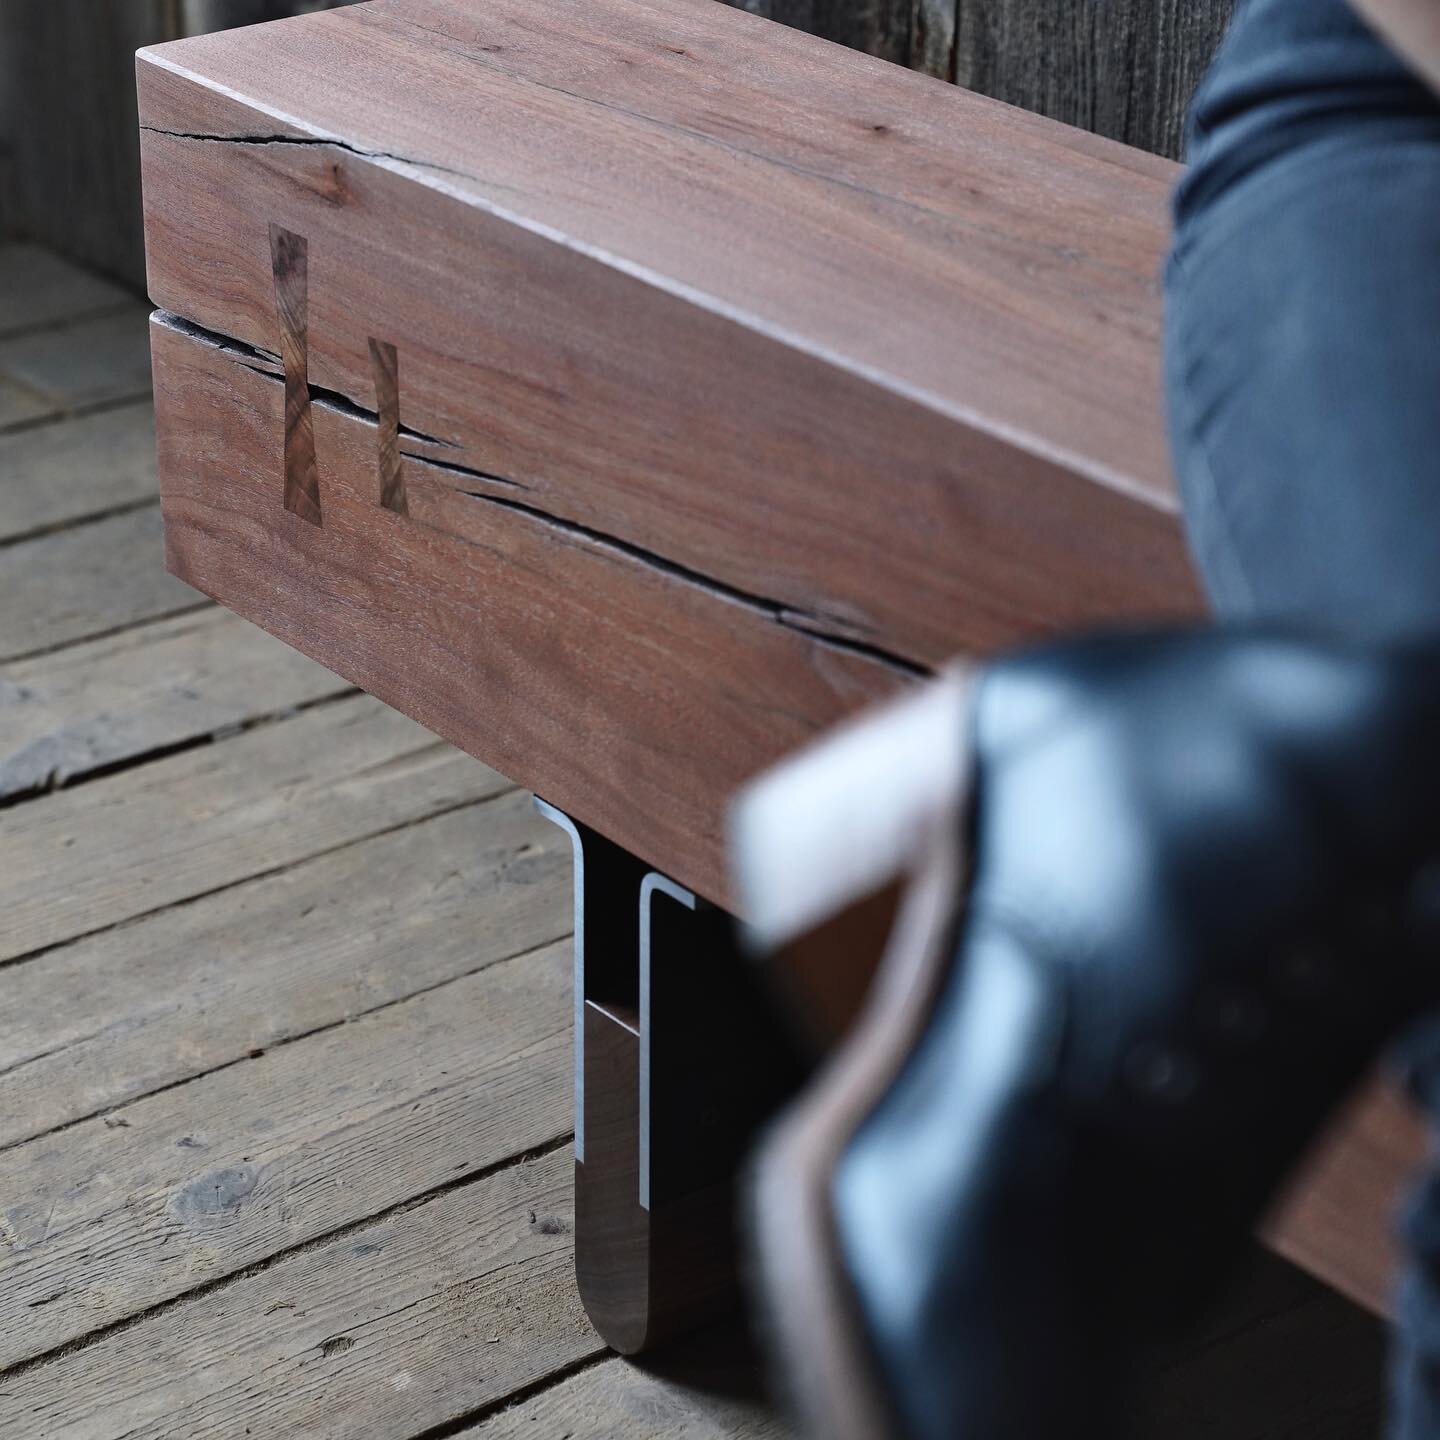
<point>469,472</point>
<point>818,626</point>
<point>309,140</point>
<point>809,622</point>
<point>262,362</point>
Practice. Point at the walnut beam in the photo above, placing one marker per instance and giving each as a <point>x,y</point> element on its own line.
<point>628,393</point>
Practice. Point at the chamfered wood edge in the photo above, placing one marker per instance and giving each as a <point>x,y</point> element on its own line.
<point>186,104</point>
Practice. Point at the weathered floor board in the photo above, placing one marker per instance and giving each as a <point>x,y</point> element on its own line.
<point>88,362</point>
<point>18,403</point>
<point>119,1214</point>
<point>37,289</point>
<point>198,821</point>
<point>388,1331</point>
<point>121,561</point>
<point>98,704</point>
<point>90,1026</point>
<point>53,475</point>
<point>707,1389</point>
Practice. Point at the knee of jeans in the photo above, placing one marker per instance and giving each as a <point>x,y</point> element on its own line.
<point>1291,74</point>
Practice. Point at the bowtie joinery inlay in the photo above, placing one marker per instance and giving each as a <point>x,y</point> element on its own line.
<point>290,263</point>
<point>289,259</point>
<point>385,366</point>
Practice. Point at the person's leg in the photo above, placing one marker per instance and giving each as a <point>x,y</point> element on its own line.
<point>1303,327</point>
<point>1303,370</point>
<point>1171,891</point>
<point>1415,1361</point>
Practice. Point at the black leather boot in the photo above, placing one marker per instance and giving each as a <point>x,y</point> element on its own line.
<point>1171,905</point>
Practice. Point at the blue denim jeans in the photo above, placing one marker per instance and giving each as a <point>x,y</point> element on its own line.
<point>1303,388</point>
<point>1303,344</point>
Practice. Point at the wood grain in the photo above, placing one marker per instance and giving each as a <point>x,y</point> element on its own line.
<point>104,703</point>
<point>399,1327</point>
<point>42,608</point>
<point>93,1025</point>
<point>995,374</point>
<point>57,474</point>
<point>917,33</point>
<point>1125,69</point>
<point>210,817</point>
<point>670,507</point>
<point>289,264</point>
<point>104,1220</point>
<point>619,689</point>
<point>385,363</point>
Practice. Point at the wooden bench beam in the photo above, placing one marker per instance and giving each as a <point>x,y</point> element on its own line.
<point>629,391</point>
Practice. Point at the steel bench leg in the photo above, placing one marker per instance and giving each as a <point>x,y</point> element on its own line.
<point>678,1061</point>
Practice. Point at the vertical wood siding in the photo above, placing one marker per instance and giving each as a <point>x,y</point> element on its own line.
<point>1124,68</point>
<point>69,152</point>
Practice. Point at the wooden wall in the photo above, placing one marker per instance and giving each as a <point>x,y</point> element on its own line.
<point>1124,68</point>
<point>72,159</point>
<point>918,33</point>
<point>69,151</point>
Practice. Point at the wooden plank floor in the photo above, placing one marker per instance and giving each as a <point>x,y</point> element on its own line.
<point>284,1040</point>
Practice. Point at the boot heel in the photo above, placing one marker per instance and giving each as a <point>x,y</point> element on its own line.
<point>826,844</point>
<point>847,855</point>
<point>851,813</point>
